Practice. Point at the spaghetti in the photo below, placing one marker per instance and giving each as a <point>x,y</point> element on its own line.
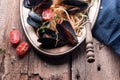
<point>60,13</point>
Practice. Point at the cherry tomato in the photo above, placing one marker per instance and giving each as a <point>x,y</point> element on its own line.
<point>22,48</point>
<point>47,14</point>
<point>14,36</point>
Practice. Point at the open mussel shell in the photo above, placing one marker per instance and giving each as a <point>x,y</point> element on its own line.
<point>27,4</point>
<point>49,43</point>
<point>35,3</point>
<point>50,39</point>
<point>46,4</point>
<point>77,5</point>
<point>33,23</point>
<point>31,3</point>
<point>66,30</point>
<point>74,10</point>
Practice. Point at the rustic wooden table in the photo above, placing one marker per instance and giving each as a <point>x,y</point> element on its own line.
<point>38,67</point>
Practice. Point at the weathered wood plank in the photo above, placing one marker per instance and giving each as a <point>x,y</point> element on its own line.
<point>23,77</point>
<point>2,31</point>
<point>35,77</point>
<point>79,63</point>
<point>106,66</point>
<point>13,65</point>
<point>34,67</point>
<point>31,66</point>
<point>49,68</point>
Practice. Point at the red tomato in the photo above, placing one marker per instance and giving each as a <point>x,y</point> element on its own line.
<point>22,48</point>
<point>47,14</point>
<point>14,36</point>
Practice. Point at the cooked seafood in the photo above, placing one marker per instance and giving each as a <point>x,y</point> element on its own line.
<point>50,38</point>
<point>76,6</point>
<point>34,19</point>
<point>66,30</point>
<point>35,4</point>
<point>58,22</point>
<point>32,22</point>
<point>31,3</point>
<point>34,16</point>
<point>77,3</point>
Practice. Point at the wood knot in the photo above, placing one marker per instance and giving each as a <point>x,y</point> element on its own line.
<point>99,67</point>
<point>77,76</point>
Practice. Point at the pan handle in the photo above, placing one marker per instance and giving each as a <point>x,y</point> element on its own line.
<point>89,43</point>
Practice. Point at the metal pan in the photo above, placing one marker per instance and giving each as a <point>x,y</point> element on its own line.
<point>32,37</point>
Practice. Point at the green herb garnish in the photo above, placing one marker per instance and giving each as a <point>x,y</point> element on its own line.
<point>43,26</point>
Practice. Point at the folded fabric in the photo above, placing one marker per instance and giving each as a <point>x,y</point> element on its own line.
<point>107,26</point>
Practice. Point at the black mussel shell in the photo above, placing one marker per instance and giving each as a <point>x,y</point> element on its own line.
<point>74,10</point>
<point>46,4</point>
<point>66,30</point>
<point>47,42</point>
<point>27,4</point>
<point>35,2</point>
<point>77,3</point>
<point>31,3</point>
<point>48,38</point>
<point>49,32</point>
<point>34,16</point>
<point>31,22</point>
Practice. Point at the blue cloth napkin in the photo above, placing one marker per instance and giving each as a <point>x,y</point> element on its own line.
<point>107,26</point>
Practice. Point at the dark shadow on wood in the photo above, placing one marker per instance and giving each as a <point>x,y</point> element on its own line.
<point>55,60</point>
<point>79,51</point>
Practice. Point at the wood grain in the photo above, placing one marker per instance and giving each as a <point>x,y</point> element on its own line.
<point>38,67</point>
<point>106,66</point>
<point>48,68</point>
<point>31,66</point>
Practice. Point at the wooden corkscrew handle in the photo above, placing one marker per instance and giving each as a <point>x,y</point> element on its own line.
<point>89,44</point>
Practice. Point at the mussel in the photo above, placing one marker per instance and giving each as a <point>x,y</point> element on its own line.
<point>34,19</point>
<point>50,39</point>
<point>46,4</point>
<point>31,3</point>
<point>66,30</point>
<point>31,22</point>
<point>37,4</point>
<point>34,16</point>
<point>77,5</point>
<point>43,5</point>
